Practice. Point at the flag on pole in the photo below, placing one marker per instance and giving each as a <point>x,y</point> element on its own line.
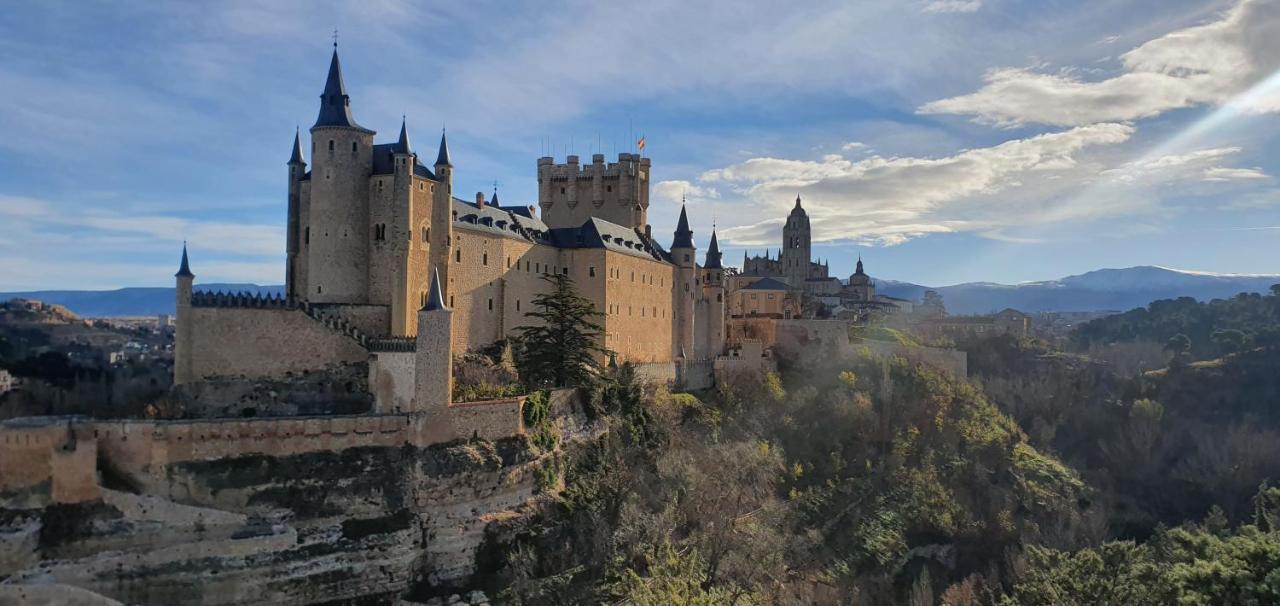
<point>640,143</point>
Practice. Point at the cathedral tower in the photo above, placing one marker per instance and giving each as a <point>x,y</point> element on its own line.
<point>796,247</point>
<point>338,234</point>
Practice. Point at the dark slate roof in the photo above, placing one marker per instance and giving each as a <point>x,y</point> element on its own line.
<point>296,158</point>
<point>767,284</point>
<point>443,156</point>
<point>500,222</point>
<point>384,161</point>
<point>523,211</point>
<point>598,233</point>
<point>684,235</point>
<point>335,104</point>
<point>402,146</point>
<point>184,270</point>
<point>713,253</point>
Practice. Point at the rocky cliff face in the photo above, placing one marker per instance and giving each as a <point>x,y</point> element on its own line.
<point>359,526</point>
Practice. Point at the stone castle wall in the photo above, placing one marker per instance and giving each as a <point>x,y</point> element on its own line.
<point>391,380</point>
<point>45,460</point>
<point>571,193</point>
<point>233,342</point>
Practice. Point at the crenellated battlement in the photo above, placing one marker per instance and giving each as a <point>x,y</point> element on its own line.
<point>205,298</point>
<point>614,191</point>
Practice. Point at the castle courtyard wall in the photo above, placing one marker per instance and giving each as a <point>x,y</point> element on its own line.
<point>391,380</point>
<point>247,342</point>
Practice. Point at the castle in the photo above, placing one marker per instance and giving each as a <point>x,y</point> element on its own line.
<point>370,223</point>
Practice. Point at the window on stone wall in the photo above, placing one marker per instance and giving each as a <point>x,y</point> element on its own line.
<point>565,270</point>
<point>591,271</point>
<point>306,235</point>
<point>490,304</point>
<point>354,147</point>
<point>508,262</point>
<point>457,256</point>
<point>517,304</point>
<point>484,260</point>
<point>450,300</point>
<point>426,233</point>
<point>330,144</point>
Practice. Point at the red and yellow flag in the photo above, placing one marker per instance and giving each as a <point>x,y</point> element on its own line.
<point>640,143</point>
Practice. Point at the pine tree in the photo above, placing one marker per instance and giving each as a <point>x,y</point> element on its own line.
<point>562,350</point>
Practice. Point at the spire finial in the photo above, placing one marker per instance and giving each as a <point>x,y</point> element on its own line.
<point>335,38</point>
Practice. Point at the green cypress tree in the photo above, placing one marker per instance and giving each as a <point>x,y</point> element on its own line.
<point>562,349</point>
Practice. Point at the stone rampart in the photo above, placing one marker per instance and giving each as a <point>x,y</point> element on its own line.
<point>237,341</point>
<point>488,419</point>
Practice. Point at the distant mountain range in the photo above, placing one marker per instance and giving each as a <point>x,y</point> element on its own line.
<point>1100,290</point>
<point>136,301</point>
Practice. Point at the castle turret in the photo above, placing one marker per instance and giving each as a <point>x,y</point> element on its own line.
<point>684,254</point>
<point>709,321</point>
<point>796,247</point>
<point>293,234</point>
<point>182,324</point>
<point>433,360</point>
<point>441,239</point>
<point>389,252</point>
<point>338,231</point>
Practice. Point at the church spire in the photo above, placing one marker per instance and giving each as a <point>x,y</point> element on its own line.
<point>713,253</point>
<point>798,203</point>
<point>184,270</point>
<point>858,270</point>
<point>684,235</point>
<point>335,104</point>
<point>442,159</point>
<point>296,158</point>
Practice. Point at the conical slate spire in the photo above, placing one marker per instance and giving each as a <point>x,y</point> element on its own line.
<point>442,159</point>
<point>713,253</point>
<point>858,270</point>
<point>184,270</point>
<point>435,300</point>
<point>335,104</point>
<point>402,146</point>
<point>684,235</point>
<point>797,202</point>
<point>296,158</point>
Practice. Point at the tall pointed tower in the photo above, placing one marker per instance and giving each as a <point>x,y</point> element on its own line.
<point>395,240</point>
<point>796,247</point>
<point>441,237</point>
<point>711,305</point>
<point>342,160</point>
<point>293,235</point>
<point>182,329</point>
<point>684,253</point>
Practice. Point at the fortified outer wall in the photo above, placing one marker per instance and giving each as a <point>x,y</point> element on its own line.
<point>391,380</point>
<point>235,341</point>
<point>46,460</point>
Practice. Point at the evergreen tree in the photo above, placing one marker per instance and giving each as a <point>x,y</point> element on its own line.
<point>562,349</point>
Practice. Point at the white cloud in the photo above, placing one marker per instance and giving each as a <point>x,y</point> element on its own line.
<point>675,191</point>
<point>889,200</point>
<point>1203,65</point>
<point>1219,173</point>
<point>952,6</point>
<point>853,146</point>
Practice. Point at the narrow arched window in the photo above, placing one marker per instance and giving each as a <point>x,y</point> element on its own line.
<point>330,144</point>
<point>354,146</point>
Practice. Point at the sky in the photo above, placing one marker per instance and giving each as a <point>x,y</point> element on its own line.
<point>944,141</point>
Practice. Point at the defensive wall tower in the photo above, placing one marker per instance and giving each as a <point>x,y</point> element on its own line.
<point>711,306</point>
<point>293,235</point>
